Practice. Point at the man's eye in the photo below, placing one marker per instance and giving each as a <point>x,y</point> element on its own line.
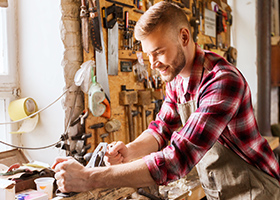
<point>158,52</point>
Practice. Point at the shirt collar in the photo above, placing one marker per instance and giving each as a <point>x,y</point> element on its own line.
<point>197,71</point>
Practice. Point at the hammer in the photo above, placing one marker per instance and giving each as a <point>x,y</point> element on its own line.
<point>128,98</point>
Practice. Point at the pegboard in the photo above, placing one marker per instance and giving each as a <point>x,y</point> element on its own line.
<point>119,112</point>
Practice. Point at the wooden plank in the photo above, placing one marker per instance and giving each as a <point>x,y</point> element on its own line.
<point>101,194</point>
<point>196,193</point>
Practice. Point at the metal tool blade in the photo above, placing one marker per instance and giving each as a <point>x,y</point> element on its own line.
<point>113,51</point>
<point>84,20</point>
<point>94,22</point>
<point>101,65</point>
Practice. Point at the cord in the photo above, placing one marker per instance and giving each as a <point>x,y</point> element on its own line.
<point>35,113</point>
<point>65,132</point>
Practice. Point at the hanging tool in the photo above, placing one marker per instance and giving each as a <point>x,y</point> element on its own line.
<point>120,3</point>
<point>101,64</point>
<point>94,21</point>
<point>141,191</point>
<point>96,127</point>
<point>113,38</point>
<point>84,18</point>
<point>195,20</point>
<point>95,98</point>
<point>114,12</point>
<point>128,98</point>
<point>144,99</point>
<point>126,34</point>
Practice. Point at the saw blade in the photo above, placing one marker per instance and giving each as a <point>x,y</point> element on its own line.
<point>84,20</point>
<point>113,52</point>
<point>101,65</point>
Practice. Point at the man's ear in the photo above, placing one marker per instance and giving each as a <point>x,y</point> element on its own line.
<point>185,36</point>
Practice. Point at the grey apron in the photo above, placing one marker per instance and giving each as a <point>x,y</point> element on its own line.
<point>224,175</point>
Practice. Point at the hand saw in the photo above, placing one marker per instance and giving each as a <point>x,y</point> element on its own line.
<point>84,19</point>
<point>100,58</point>
<point>113,36</point>
<point>94,25</point>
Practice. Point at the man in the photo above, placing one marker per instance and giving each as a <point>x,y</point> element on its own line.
<point>212,100</point>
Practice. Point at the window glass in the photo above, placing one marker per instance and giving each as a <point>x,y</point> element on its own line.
<point>3,42</point>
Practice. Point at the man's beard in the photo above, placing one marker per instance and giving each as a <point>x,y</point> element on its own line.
<point>177,65</point>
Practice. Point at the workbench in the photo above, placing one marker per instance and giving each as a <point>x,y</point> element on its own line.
<point>194,193</point>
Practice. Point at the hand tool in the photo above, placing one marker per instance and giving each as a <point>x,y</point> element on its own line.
<point>101,64</point>
<point>128,98</point>
<point>98,155</point>
<point>126,34</point>
<point>135,113</point>
<point>107,113</point>
<point>94,25</point>
<point>113,38</point>
<point>114,12</point>
<point>84,18</point>
<point>120,3</point>
<point>144,99</point>
<point>96,160</point>
<point>112,125</point>
<point>95,98</point>
<point>96,127</point>
<point>103,136</point>
<point>81,118</point>
<point>141,191</point>
<point>195,21</point>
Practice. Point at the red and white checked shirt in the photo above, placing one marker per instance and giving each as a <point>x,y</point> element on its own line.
<point>224,113</point>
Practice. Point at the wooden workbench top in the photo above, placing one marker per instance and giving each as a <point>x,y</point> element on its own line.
<point>101,194</point>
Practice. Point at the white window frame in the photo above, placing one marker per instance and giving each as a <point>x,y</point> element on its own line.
<point>8,80</point>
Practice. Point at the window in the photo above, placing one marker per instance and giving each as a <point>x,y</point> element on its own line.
<point>3,41</point>
<point>8,62</point>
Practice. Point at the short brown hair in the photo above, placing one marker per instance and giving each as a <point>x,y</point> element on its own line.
<point>164,14</point>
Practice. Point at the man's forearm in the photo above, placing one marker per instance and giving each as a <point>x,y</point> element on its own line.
<point>133,174</point>
<point>142,145</point>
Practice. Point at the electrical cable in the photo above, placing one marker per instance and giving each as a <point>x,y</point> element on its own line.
<point>65,132</point>
<point>35,113</point>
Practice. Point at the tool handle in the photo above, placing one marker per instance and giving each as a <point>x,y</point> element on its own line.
<point>146,194</point>
<point>83,3</point>
<point>126,21</point>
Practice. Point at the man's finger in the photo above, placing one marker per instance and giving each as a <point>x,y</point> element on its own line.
<point>59,160</point>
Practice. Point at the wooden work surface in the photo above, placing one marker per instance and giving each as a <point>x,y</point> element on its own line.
<point>119,193</point>
<point>101,194</point>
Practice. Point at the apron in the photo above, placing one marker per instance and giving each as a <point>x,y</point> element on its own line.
<point>224,175</point>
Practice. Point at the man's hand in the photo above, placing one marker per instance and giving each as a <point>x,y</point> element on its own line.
<point>71,176</point>
<point>117,153</point>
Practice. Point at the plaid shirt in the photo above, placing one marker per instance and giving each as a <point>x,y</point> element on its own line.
<point>224,113</point>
